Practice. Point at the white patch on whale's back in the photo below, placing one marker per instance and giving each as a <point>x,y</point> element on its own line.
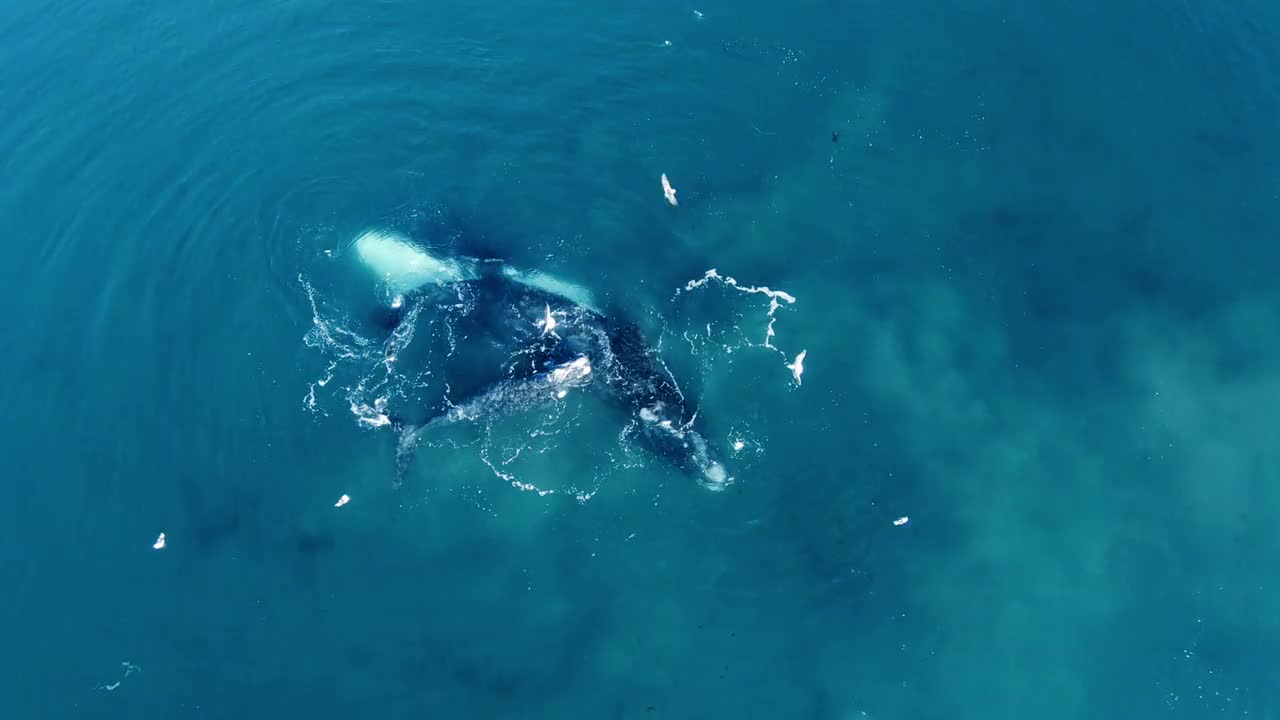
<point>405,267</point>
<point>572,292</point>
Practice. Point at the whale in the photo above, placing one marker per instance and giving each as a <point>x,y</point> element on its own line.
<point>405,269</point>
<point>562,341</point>
<point>505,397</point>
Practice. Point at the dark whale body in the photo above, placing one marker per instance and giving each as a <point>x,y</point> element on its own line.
<point>624,369</point>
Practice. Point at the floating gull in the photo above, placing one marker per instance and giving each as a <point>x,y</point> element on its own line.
<point>548,322</point>
<point>902,521</point>
<point>669,191</point>
<point>342,500</point>
<point>159,543</point>
<point>797,367</point>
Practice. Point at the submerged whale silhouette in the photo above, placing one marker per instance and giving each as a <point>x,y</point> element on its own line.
<point>571,344</point>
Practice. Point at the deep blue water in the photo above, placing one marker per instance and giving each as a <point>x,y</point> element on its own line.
<point>1035,279</point>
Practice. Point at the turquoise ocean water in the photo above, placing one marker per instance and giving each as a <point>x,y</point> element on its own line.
<point>1034,278</point>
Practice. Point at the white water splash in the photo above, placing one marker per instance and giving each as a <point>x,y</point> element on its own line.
<point>776,300</point>
<point>330,335</point>
<point>402,336</point>
<point>745,445</point>
<point>129,669</point>
<point>309,400</point>
<point>364,375</point>
<point>509,477</point>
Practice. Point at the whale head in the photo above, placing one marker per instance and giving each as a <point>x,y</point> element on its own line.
<point>684,445</point>
<point>713,474</point>
<point>575,373</point>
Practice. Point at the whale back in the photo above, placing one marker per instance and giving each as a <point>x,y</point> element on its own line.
<point>636,372</point>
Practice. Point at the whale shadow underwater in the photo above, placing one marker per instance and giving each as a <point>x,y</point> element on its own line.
<point>560,341</point>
